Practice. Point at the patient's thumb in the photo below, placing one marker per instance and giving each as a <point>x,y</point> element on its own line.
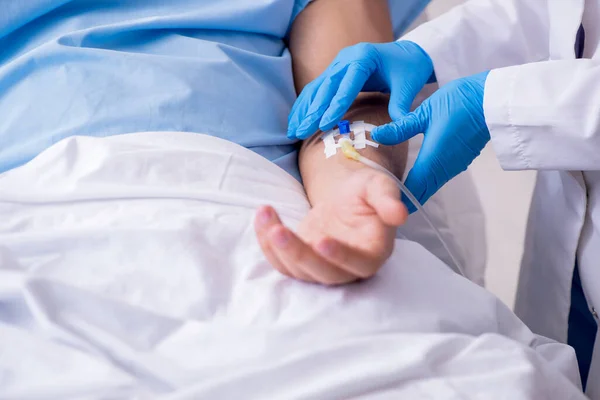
<point>398,131</point>
<point>384,196</point>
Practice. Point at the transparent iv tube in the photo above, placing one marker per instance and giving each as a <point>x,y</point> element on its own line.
<point>350,152</point>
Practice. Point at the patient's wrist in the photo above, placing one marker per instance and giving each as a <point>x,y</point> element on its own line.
<point>373,105</point>
<point>336,170</point>
<point>372,108</point>
<point>324,176</point>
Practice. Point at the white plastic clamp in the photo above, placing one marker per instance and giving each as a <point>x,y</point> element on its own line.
<point>358,129</point>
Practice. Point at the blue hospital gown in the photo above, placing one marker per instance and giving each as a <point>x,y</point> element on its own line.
<point>109,67</point>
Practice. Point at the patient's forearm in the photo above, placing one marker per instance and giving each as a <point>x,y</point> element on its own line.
<point>318,34</point>
<point>327,26</point>
<point>323,176</point>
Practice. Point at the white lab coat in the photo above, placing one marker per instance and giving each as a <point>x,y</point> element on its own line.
<point>542,107</point>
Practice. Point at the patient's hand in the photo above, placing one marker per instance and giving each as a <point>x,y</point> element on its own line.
<point>345,237</point>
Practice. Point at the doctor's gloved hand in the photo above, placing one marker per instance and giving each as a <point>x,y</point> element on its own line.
<point>455,132</point>
<point>400,68</point>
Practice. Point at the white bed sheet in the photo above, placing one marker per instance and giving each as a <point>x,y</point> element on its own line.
<point>129,269</point>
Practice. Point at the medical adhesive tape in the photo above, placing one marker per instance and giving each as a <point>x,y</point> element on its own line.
<point>360,141</point>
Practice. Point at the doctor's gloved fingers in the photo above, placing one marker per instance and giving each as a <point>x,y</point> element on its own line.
<point>301,105</point>
<point>383,195</point>
<point>358,263</point>
<point>408,204</point>
<point>299,257</point>
<point>400,130</point>
<point>402,96</point>
<point>320,103</point>
<point>348,90</point>
<point>425,179</point>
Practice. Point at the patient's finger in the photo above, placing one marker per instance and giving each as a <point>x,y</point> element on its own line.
<point>274,261</point>
<point>384,196</point>
<point>265,218</point>
<point>354,261</point>
<point>294,253</point>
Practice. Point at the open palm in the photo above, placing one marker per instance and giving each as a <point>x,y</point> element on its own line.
<point>341,240</point>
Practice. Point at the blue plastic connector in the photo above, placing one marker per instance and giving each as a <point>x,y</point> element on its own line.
<point>344,127</point>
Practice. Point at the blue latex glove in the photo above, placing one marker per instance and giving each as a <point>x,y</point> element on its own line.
<point>400,68</point>
<point>454,129</point>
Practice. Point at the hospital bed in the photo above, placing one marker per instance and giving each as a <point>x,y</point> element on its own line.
<point>128,266</point>
<point>123,275</point>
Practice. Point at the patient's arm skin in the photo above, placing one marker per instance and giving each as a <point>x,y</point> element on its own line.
<point>350,230</point>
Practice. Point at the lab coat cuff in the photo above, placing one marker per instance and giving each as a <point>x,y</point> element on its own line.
<point>506,138</point>
<point>439,49</point>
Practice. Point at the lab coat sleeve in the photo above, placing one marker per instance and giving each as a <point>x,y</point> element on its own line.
<point>545,115</point>
<point>484,34</point>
